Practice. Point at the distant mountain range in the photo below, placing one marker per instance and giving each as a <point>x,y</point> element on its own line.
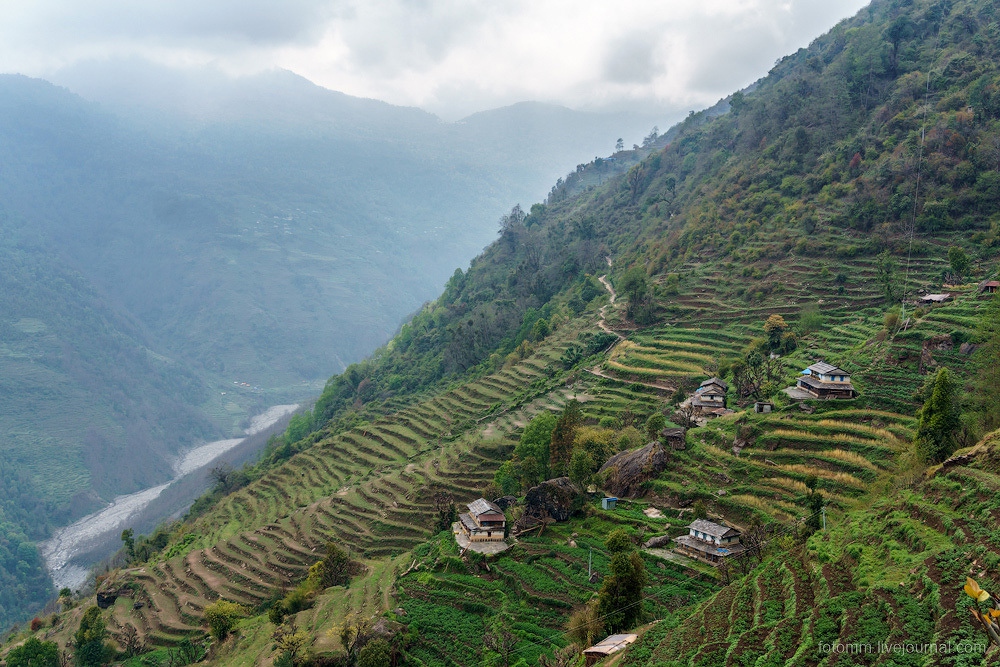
<point>181,249</point>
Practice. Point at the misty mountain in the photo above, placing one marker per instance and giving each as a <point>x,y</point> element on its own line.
<point>181,250</point>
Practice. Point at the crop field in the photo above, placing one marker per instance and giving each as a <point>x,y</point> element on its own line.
<point>535,585</point>
<point>672,356</point>
<point>892,572</point>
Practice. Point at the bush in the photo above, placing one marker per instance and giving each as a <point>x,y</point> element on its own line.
<point>34,653</point>
<point>376,653</point>
<point>222,616</point>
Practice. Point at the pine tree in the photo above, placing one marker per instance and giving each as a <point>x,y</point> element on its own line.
<point>939,419</point>
<point>563,436</point>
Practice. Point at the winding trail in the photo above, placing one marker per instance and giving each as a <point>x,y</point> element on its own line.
<point>602,323</point>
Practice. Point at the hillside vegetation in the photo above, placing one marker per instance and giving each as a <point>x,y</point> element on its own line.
<point>746,245</point>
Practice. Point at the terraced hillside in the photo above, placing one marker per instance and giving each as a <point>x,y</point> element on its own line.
<point>369,489</point>
<point>889,573</point>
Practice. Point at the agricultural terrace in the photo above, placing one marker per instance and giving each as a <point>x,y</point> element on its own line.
<point>891,572</point>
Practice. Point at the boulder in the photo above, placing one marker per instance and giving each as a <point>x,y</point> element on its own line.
<point>626,472</point>
<point>505,502</point>
<point>555,498</point>
<point>106,599</point>
<point>657,542</point>
<point>674,438</point>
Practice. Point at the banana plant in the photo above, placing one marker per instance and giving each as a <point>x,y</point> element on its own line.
<point>987,619</point>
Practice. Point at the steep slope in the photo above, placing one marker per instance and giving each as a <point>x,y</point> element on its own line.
<point>773,208</point>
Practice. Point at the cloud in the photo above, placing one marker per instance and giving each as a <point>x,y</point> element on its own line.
<point>450,56</point>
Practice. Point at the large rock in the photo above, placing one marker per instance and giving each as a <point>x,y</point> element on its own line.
<point>626,472</point>
<point>555,498</point>
<point>106,599</point>
<point>658,542</point>
<point>674,437</point>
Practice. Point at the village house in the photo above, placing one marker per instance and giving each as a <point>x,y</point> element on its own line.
<point>823,380</point>
<point>710,397</point>
<point>484,522</point>
<point>989,286</point>
<point>709,542</point>
<point>935,298</point>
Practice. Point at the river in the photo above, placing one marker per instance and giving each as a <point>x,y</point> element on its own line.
<point>94,529</point>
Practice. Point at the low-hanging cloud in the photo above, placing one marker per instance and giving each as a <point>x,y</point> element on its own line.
<point>450,56</point>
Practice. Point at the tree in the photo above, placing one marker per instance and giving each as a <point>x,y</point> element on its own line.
<point>755,376</point>
<point>619,541</point>
<point>581,467</point>
<point>376,653</point>
<point>335,569</point>
<point>774,327</point>
<point>222,616</point>
<point>635,287</point>
<point>651,138</point>
<point>500,639</point>
<point>886,276</point>
<point>444,508</point>
<point>563,436</point>
<point>536,439</point>
<point>619,602</point>
<point>353,635</point>
<point>939,419</point>
<point>654,425</point>
<point>91,649</point>
<point>34,653</point>
<point>511,226</point>
<point>959,261</point>
<point>128,537</point>
<point>619,145</point>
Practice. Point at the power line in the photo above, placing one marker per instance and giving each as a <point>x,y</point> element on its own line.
<point>916,185</point>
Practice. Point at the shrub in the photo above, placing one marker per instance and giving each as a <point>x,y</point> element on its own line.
<point>222,616</point>
<point>34,653</point>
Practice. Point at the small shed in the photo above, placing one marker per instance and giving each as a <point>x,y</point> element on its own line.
<point>607,646</point>
<point>935,298</point>
<point>609,503</point>
<point>763,407</point>
<point>989,286</point>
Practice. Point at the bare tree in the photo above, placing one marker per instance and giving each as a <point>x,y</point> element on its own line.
<point>501,641</point>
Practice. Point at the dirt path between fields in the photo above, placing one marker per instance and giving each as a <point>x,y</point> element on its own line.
<point>596,370</point>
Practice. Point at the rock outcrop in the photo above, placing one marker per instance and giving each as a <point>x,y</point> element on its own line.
<point>552,500</point>
<point>626,472</point>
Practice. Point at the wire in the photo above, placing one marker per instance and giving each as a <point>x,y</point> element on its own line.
<point>916,185</point>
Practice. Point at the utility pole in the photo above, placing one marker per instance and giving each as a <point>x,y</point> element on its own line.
<point>590,559</point>
<point>824,517</point>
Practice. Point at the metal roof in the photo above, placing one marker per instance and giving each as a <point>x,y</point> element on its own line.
<point>713,380</point>
<point>482,506</point>
<point>824,368</point>
<point>711,528</point>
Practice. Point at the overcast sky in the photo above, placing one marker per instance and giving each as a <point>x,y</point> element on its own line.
<point>451,57</point>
